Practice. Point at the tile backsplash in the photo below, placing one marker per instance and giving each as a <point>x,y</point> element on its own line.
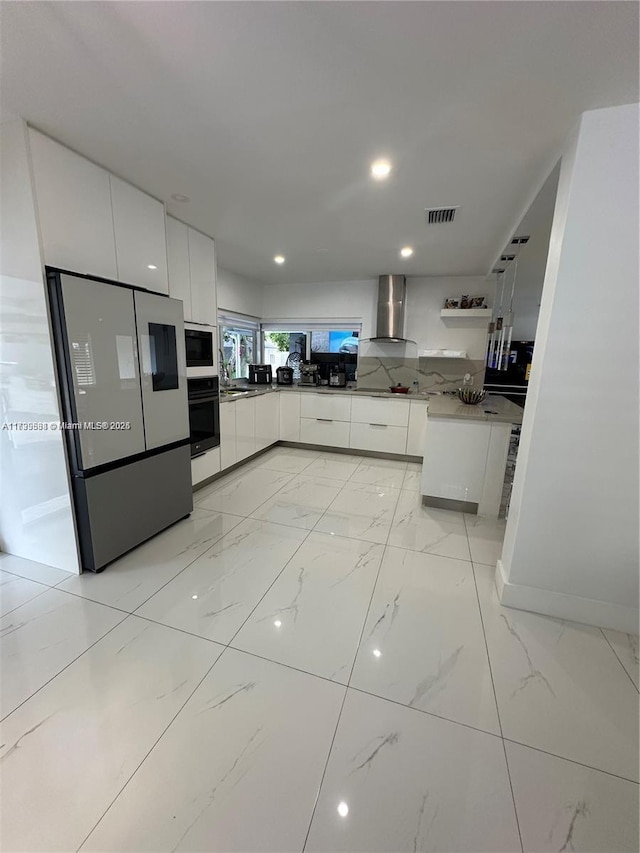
<point>431,374</point>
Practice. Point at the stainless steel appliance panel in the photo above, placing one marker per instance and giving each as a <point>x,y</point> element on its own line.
<point>102,354</point>
<point>121,508</point>
<point>160,325</point>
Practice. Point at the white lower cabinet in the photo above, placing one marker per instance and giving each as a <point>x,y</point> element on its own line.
<point>228,452</point>
<point>289,415</point>
<point>245,427</point>
<point>417,428</point>
<point>267,421</point>
<point>378,437</point>
<point>205,466</point>
<point>324,431</point>
<point>326,406</point>
<point>455,459</point>
<point>372,410</point>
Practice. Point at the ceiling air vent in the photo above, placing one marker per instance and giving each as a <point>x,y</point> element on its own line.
<point>519,241</point>
<point>497,270</point>
<point>507,257</point>
<point>434,215</point>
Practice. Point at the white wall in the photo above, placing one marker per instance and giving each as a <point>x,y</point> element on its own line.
<point>357,300</point>
<point>239,294</point>
<point>571,543</point>
<point>36,519</point>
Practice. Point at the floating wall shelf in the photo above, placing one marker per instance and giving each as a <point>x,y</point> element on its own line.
<point>466,313</point>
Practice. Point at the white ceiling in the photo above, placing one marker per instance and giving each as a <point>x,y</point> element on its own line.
<point>268,114</point>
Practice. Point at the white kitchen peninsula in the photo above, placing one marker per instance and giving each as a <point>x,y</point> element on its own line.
<point>465,453</point>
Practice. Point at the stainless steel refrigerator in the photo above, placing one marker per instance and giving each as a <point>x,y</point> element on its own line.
<point>122,371</point>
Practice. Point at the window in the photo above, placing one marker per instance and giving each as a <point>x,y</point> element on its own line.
<point>238,344</point>
<point>319,343</point>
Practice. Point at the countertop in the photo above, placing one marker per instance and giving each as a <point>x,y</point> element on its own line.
<point>494,408</point>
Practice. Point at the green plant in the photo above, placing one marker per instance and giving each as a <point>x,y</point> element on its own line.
<point>281,339</point>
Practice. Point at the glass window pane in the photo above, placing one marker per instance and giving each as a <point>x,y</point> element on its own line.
<point>239,350</point>
<point>335,341</point>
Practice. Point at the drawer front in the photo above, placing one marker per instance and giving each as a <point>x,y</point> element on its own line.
<point>372,410</point>
<point>324,432</point>
<point>384,439</point>
<point>205,466</point>
<point>329,406</point>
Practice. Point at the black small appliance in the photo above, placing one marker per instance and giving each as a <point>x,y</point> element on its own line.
<point>284,375</point>
<point>198,347</point>
<point>260,374</point>
<point>204,414</point>
<point>337,377</point>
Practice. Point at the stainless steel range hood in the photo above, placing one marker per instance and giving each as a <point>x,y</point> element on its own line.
<point>392,294</point>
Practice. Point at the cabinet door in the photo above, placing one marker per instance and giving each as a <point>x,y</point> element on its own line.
<point>205,466</point>
<point>245,427</point>
<point>378,437</point>
<point>141,246</point>
<point>202,263</point>
<point>178,263</point>
<point>289,415</point>
<point>269,419</point>
<point>163,369</point>
<point>228,452</point>
<point>74,209</point>
<point>455,459</point>
<point>417,428</point>
<point>324,432</point>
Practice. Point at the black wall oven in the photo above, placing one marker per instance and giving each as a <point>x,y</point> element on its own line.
<point>199,346</point>
<point>204,414</point>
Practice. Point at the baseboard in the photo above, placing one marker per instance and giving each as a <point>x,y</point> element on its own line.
<point>574,608</point>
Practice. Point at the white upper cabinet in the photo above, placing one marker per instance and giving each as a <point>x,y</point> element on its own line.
<point>141,247</point>
<point>74,209</point>
<point>202,262</point>
<point>178,263</point>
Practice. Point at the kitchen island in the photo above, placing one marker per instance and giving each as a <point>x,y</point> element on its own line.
<point>465,453</point>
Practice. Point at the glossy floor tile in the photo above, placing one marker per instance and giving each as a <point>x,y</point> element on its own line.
<point>239,769</point>
<point>560,687</point>
<point>434,531</point>
<point>361,511</point>
<point>423,643</point>
<point>563,806</point>
<point>245,492</point>
<point>398,780</point>
<point>334,466</point>
<point>131,580</point>
<point>380,472</point>
<point>287,459</point>
<point>40,638</point>
<point>15,591</point>
<point>313,615</point>
<point>33,571</point>
<point>68,751</point>
<point>485,538</point>
<point>216,593</point>
<point>206,720</point>
<point>300,503</point>
<point>626,648</point>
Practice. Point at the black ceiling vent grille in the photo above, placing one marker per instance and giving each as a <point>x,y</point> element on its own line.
<point>497,270</point>
<point>507,257</point>
<point>519,241</point>
<point>435,215</point>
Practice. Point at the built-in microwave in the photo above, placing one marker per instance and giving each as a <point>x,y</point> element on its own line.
<point>201,349</point>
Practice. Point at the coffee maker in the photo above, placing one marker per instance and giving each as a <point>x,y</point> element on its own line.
<point>308,374</point>
<point>284,375</point>
<point>337,377</point>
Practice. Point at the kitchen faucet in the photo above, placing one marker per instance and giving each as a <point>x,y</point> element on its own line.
<point>225,380</point>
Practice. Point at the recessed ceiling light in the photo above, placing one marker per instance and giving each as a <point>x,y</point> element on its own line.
<point>343,809</point>
<point>152,267</point>
<point>380,169</point>
<point>279,259</point>
<point>406,251</point>
<point>180,197</point>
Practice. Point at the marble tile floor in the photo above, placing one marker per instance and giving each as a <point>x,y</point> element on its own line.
<point>312,661</point>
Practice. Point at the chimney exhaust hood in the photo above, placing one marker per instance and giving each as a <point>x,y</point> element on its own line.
<point>392,295</point>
